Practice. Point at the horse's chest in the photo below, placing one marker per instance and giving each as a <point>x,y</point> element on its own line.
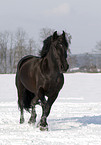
<point>54,85</point>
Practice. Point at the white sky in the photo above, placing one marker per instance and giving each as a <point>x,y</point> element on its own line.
<point>80,18</point>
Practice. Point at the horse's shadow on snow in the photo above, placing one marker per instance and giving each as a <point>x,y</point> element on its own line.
<point>88,120</point>
<point>72,122</point>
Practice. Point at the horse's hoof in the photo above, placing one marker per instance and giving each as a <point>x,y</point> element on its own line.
<point>22,121</point>
<point>32,121</point>
<point>44,128</point>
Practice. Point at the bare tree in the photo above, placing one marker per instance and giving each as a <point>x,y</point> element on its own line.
<point>45,32</point>
<point>98,47</point>
<point>11,53</point>
<point>33,47</point>
<point>3,48</point>
<point>20,45</point>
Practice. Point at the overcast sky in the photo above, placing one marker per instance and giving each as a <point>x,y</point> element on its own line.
<point>80,18</point>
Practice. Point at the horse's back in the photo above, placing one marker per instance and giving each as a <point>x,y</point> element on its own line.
<point>26,70</point>
<point>20,63</point>
<point>23,60</point>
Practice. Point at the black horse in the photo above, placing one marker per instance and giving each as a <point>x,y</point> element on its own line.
<point>42,76</point>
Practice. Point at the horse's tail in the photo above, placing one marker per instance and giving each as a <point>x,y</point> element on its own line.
<point>27,98</point>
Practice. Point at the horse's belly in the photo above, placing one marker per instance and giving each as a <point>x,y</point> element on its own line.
<point>29,85</point>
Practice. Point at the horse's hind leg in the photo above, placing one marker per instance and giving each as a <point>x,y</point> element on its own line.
<point>33,116</point>
<point>21,104</point>
<point>21,111</point>
<point>21,117</point>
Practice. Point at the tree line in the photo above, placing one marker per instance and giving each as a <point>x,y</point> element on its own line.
<point>13,46</point>
<point>85,63</point>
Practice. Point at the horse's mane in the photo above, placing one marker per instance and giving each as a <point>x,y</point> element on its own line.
<point>47,43</point>
<point>46,46</point>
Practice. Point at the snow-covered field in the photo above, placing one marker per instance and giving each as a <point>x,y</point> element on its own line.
<point>75,118</point>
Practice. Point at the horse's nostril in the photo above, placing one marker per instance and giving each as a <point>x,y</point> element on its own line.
<point>62,67</point>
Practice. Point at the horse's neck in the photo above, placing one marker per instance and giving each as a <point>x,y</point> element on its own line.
<point>52,62</point>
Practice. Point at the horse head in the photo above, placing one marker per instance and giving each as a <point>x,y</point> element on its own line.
<point>60,46</point>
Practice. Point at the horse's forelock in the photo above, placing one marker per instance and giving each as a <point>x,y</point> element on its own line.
<point>47,42</point>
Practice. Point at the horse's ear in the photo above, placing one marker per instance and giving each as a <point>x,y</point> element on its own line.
<point>55,35</point>
<point>63,34</point>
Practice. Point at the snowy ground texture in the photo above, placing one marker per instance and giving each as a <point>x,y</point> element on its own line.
<point>75,118</point>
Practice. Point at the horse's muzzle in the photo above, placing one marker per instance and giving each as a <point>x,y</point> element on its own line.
<point>65,67</point>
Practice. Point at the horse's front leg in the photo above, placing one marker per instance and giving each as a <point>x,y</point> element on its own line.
<point>33,116</point>
<point>46,107</point>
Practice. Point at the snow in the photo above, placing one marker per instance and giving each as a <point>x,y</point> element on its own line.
<point>75,117</point>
